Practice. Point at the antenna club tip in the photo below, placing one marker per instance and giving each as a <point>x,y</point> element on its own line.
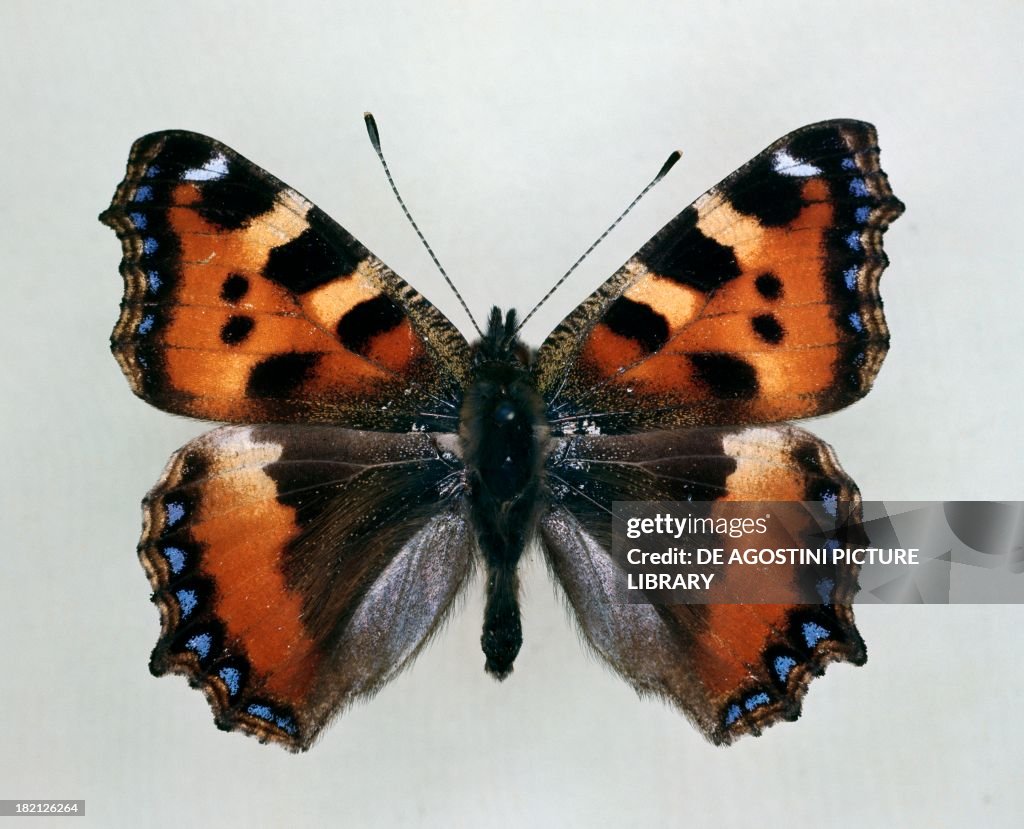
<point>669,163</point>
<point>371,128</point>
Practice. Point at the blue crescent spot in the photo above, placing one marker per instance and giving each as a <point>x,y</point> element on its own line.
<point>149,245</point>
<point>858,187</point>
<point>861,214</point>
<point>783,665</point>
<point>855,322</point>
<point>154,281</point>
<point>200,644</point>
<point>175,512</point>
<point>849,164</point>
<point>814,633</point>
<point>187,601</point>
<point>139,220</point>
<point>830,501</point>
<point>850,278</point>
<point>144,193</point>
<point>859,359</point>
<point>175,557</point>
<point>824,586</point>
<point>285,723</point>
<point>853,240</point>
<point>261,711</point>
<point>732,715</point>
<point>147,324</point>
<point>756,701</point>
<point>232,678</point>
<point>154,170</point>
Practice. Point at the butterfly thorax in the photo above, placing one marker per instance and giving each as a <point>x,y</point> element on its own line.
<point>502,435</point>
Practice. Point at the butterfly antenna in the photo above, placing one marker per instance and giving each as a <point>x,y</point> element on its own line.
<point>669,163</point>
<point>371,128</point>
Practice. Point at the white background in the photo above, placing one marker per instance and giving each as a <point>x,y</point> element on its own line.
<point>517,131</point>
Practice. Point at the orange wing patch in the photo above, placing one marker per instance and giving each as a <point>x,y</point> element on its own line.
<point>250,596</point>
<point>229,619</point>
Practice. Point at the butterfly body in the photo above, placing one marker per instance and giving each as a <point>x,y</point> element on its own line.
<point>503,434</point>
<point>304,555</point>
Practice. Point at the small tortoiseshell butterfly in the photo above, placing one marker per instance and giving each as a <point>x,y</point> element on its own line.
<point>302,558</point>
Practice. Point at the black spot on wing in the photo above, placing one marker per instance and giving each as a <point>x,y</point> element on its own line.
<point>638,322</point>
<point>770,197</point>
<point>236,329</point>
<point>234,288</point>
<point>768,328</point>
<point>194,467</point>
<point>682,253</point>
<point>768,285</point>
<point>725,376</point>
<point>235,199</point>
<point>808,455</point>
<point>370,318</point>
<point>824,146</point>
<point>310,260</point>
<point>282,374</point>
<point>178,153</point>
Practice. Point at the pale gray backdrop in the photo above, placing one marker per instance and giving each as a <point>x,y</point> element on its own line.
<point>517,130</point>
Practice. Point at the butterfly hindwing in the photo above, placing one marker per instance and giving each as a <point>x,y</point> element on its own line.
<point>757,304</point>
<point>298,568</point>
<point>244,302</point>
<point>732,668</point>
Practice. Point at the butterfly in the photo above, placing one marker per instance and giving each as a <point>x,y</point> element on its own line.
<point>303,555</point>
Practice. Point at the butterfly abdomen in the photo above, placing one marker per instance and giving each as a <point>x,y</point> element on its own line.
<point>500,430</point>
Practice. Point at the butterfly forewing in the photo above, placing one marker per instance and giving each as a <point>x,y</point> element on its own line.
<point>757,304</point>
<point>244,302</point>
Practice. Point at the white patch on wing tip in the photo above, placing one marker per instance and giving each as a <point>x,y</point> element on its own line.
<point>216,167</point>
<point>784,164</point>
